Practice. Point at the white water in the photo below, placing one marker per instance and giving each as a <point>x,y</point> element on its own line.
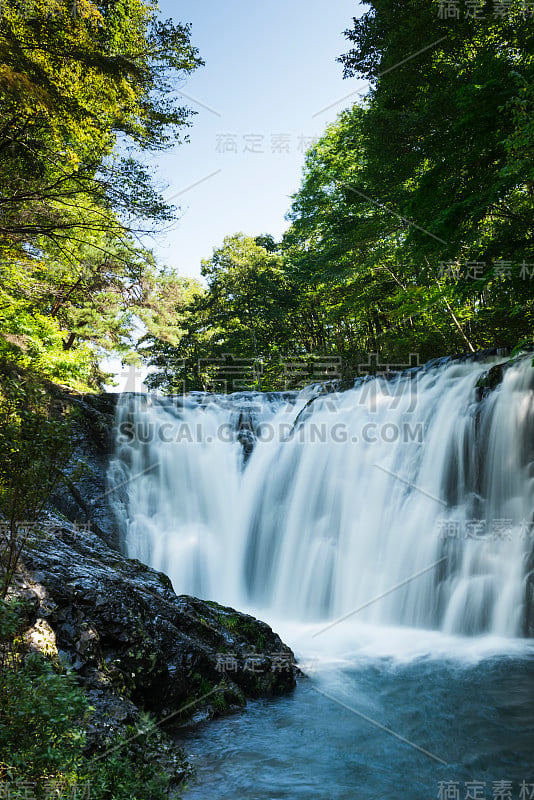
<point>332,519</point>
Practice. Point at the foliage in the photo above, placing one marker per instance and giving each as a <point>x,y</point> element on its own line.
<point>81,86</point>
<point>175,341</point>
<point>43,717</point>
<point>35,447</point>
<point>218,335</point>
<point>447,138</point>
<point>41,712</point>
<point>127,773</point>
<point>411,232</point>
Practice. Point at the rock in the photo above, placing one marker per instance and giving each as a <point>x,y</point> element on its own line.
<point>528,622</point>
<point>489,381</point>
<point>121,627</point>
<point>143,739</point>
<point>136,646</point>
<point>493,377</point>
<point>84,498</point>
<point>40,638</point>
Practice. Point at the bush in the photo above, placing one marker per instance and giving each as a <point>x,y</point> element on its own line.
<point>43,713</point>
<point>35,447</point>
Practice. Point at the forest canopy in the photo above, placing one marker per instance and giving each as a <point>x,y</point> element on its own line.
<point>411,233</point>
<point>410,236</point>
<point>84,89</point>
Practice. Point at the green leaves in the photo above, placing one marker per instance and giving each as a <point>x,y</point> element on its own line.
<point>434,169</point>
<point>35,448</point>
<point>43,721</point>
<point>74,79</point>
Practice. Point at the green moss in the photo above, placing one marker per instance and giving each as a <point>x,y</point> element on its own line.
<point>219,702</point>
<point>245,628</point>
<point>252,632</point>
<point>201,685</point>
<point>231,623</point>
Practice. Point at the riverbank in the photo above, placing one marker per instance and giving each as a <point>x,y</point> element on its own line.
<point>135,646</point>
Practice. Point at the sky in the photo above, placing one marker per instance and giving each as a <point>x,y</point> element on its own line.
<point>270,85</point>
<point>270,70</point>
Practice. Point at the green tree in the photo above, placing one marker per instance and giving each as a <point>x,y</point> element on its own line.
<point>36,448</point>
<point>242,329</point>
<point>447,140</point>
<point>83,87</point>
<point>248,297</point>
<point>430,175</point>
<point>178,334</point>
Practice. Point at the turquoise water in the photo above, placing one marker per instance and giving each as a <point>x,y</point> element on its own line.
<point>477,716</point>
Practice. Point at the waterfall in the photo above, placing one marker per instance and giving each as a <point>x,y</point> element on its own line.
<point>407,499</point>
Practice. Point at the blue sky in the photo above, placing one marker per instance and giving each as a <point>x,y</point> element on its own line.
<point>270,69</point>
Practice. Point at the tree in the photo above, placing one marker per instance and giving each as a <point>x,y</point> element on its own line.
<point>177,335</point>
<point>238,332</point>
<point>446,132</point>
<point>247,296</point>
<point>412,229</point>
<point>82,86</point>
<point>35,447</point>
<point>405,195</point>
<point>73,85</point>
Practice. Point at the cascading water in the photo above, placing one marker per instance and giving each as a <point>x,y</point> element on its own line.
<point>417,490</point>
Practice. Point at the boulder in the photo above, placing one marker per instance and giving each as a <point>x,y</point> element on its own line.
<point>122,628</point>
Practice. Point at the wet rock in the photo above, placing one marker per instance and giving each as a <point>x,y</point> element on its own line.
<point>83,499</point>
<point>489,381</point>
<point>528,622</point>
<point>120,625</point>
